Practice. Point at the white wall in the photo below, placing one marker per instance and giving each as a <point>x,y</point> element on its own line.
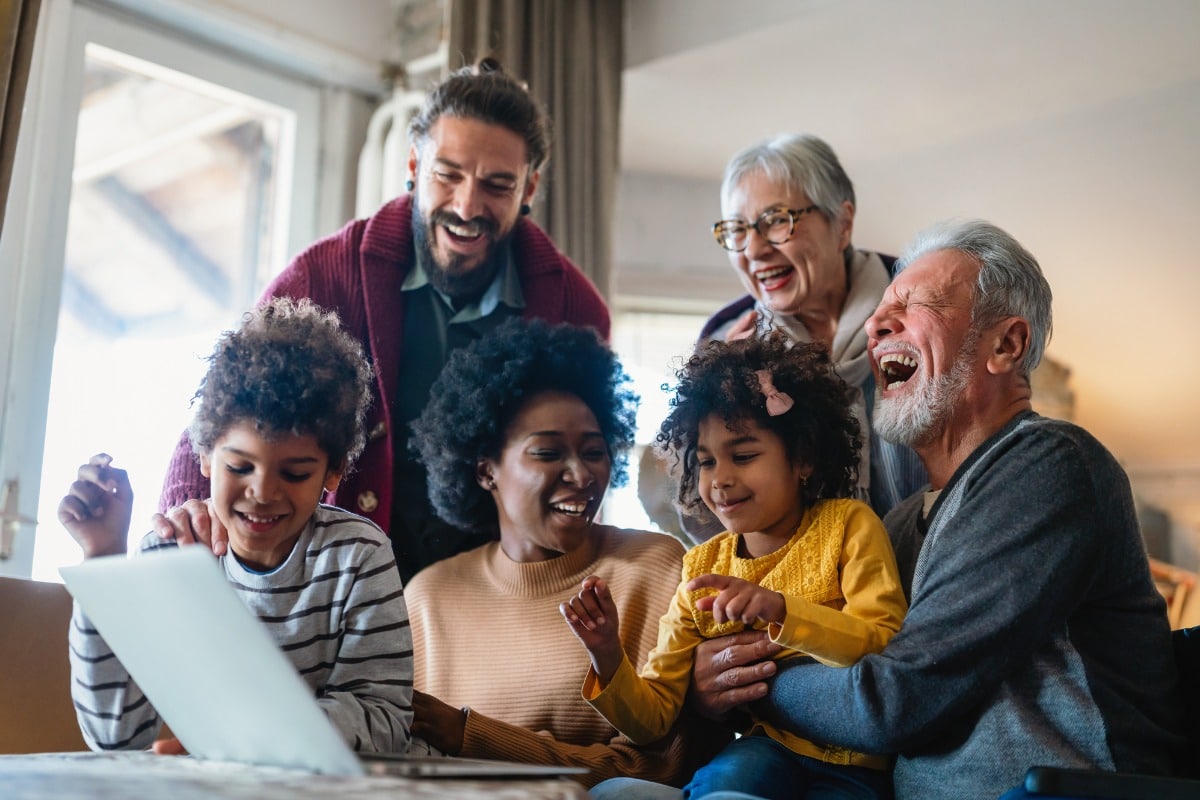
<point>663,247</point>
<point>364,29</point>
<point>662,28</point>
<point>343,43</point>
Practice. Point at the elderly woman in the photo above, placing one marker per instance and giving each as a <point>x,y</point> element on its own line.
<point>788,215</point>
<point>524,430</point>
<point>788,209</point>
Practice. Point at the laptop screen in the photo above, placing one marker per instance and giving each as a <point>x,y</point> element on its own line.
<point>205,661</point>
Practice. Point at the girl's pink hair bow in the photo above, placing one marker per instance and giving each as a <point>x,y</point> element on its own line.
<point>777,402</point>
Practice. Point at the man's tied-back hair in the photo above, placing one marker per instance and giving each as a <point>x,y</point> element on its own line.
<point>290,369</point>
<point>489,94</point>
<point>720,379</point>
<point>482,387</point>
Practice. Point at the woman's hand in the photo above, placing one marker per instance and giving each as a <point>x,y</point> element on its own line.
<point>441,725</point>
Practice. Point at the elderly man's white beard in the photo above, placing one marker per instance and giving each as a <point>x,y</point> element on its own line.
<point>918,416</point>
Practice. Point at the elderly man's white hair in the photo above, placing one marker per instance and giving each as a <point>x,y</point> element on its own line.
<point>1010,280</point>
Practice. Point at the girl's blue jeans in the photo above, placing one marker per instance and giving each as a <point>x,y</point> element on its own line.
<point>757,767</point>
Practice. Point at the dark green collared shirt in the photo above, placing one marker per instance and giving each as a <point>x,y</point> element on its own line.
<point>433,329</point>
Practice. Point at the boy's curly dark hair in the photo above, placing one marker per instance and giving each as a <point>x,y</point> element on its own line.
<point>719,378</point>
<point>481,389</point>
<point>290,369</point>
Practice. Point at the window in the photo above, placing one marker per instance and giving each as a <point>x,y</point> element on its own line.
<point>652,346</point>
<point>172,198</point>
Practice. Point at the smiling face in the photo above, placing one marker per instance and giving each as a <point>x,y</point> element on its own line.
<point>808,268</point>
<point>471,179</point>
<point>924,348</point>
<point>549,478</point>
<point>264,491</point>
<point>746,478</point>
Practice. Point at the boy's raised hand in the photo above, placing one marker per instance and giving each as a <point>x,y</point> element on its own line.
<point>739,600</point>
<point>96,509</point>
<point>592,617</point>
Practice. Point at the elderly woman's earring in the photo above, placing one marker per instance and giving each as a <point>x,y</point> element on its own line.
<point>409,185</point>
<point>525,209</point>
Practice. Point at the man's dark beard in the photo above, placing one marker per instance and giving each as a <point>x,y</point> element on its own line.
<point>450,279</point>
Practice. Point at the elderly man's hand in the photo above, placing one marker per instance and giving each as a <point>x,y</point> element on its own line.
<point>730,672</point>
<point>194,522</point>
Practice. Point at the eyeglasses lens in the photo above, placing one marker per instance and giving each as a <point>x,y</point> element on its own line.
<point>776,226</point>
<point>731,235</point>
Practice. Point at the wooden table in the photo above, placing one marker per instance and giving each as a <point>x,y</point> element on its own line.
<point>119,776</point>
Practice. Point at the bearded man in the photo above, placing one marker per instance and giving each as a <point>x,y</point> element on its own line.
<point>428,273</point>
<point>1035,635</point>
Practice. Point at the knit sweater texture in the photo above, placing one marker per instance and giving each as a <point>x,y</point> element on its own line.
<point>844,600</point>
<point>358,272</point>
<point>488,635</point>
<point>1034,636</point>
<point>334,606</point>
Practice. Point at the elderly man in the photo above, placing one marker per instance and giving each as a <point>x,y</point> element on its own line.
<point>426,274</point>
<point>1034,633</point>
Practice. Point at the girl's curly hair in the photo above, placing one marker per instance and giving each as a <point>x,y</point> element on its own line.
<point>483,386</point>
<point>719,378</point>
<point>290,369</point>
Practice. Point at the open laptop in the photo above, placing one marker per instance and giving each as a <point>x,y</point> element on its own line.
<point>218,679</point>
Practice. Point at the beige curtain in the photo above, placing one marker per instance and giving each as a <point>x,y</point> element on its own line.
<point>18,21</point>
<point>570,52</point>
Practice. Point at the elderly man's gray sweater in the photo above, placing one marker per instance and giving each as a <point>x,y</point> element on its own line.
<point>1034,635</point>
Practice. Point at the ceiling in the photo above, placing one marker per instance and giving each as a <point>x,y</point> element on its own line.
<point>1074,125</point>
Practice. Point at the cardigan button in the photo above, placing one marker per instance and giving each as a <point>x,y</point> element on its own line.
<point>368,502</point>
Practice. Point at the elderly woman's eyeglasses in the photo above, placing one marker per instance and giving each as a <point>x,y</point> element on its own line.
<point>776,226</point>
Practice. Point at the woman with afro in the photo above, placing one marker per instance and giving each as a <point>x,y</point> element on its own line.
<point>524,431</point>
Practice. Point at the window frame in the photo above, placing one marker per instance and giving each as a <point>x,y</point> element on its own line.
<point>33,239</point>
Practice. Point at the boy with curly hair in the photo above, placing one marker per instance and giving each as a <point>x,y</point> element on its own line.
<point>279,422</point>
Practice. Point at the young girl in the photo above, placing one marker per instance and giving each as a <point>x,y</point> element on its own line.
<point>763,434</point>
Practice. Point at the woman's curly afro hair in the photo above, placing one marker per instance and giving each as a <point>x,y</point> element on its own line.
<point>483,386</point>
<point>719,378</point>
<point>290,369</point>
